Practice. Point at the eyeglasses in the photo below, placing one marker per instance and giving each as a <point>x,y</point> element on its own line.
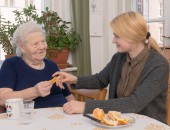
<point>115,36</point>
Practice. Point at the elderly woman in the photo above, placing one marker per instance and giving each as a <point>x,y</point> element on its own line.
<point>28,74</point>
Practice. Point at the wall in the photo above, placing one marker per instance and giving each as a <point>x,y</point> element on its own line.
<point>101,46</point>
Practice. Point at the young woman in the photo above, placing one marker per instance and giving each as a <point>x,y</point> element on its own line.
<point>137,74</point>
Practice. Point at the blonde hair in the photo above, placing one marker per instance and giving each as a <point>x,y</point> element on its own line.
<point>132,27</point>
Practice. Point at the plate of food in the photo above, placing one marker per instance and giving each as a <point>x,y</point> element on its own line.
<point>113,119</point>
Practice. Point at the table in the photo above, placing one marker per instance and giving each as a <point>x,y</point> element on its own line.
<point>56,119</point>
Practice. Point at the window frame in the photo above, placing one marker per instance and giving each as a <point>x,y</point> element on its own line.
<point>157,19</point>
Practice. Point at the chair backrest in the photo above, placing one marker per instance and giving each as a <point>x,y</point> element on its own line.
<point>82,94</point>
<point>2,109</point>
<point>168,105</point>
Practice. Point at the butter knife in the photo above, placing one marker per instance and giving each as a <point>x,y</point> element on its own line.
<point>92,118</point>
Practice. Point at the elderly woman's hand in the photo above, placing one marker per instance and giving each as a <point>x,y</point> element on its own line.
<point>43,88</point>
<point>73,106</point>
<point>64,78</point>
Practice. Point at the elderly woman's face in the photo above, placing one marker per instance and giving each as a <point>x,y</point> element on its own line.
<point>35,47</point>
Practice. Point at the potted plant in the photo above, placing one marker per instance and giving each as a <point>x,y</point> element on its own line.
<point>59,36</point>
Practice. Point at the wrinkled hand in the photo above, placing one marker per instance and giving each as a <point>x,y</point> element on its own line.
<point>73,106</point>
<point>64,77</point>
<point>43,88</point>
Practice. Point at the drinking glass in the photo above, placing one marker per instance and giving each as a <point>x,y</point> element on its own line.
<point>26,112</point>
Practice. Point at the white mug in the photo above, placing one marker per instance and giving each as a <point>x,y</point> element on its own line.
<point>13,107</point>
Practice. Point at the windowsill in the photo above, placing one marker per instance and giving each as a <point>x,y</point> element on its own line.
<point>69,69</point>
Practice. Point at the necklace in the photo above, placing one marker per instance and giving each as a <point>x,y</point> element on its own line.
<point>35,66</point>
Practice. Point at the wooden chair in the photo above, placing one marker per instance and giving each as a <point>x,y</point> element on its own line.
<point>2,109</point>
<point>82,94</point>
<point>168,104</point>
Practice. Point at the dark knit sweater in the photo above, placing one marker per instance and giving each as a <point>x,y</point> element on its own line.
<point>17,75</point>
<point>149,98</point>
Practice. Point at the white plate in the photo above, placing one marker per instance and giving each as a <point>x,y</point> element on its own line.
<point>132,120</point>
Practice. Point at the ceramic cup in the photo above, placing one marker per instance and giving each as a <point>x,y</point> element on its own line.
<point>13,107</point>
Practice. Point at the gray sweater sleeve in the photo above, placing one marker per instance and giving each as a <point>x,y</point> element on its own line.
<point>154,81</point>
<point>99,80</point>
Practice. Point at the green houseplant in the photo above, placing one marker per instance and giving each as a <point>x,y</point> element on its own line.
<point>6,31</point>
<point>58,33</point>
<point>59,36</point>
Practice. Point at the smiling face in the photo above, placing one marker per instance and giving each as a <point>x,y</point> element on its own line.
<point>35,47</point>
<point>130,29</point>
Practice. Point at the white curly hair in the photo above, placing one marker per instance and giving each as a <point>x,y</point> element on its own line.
<point>22,31</point>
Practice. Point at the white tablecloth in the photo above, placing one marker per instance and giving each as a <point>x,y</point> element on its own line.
<point>56,119</point>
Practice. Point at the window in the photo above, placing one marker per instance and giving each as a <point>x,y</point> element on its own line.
<point>160,35</point>
<point>153,12</point>
<point>2,2</point>
<point>7,6</point>
<point>160,8</point>
<point>146,9</point>
<point>139,6</point>
<point>16,4</point>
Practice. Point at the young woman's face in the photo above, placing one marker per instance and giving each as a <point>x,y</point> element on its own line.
<point>121,44</point>
<point>35,48</point>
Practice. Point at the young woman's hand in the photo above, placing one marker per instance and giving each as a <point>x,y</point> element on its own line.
<point>64,77</point>
<point>73,106</point>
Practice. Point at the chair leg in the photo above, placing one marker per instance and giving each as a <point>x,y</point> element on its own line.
<point>2,109</point>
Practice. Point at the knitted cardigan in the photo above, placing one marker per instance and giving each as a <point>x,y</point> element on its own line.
<point>149,97</point>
